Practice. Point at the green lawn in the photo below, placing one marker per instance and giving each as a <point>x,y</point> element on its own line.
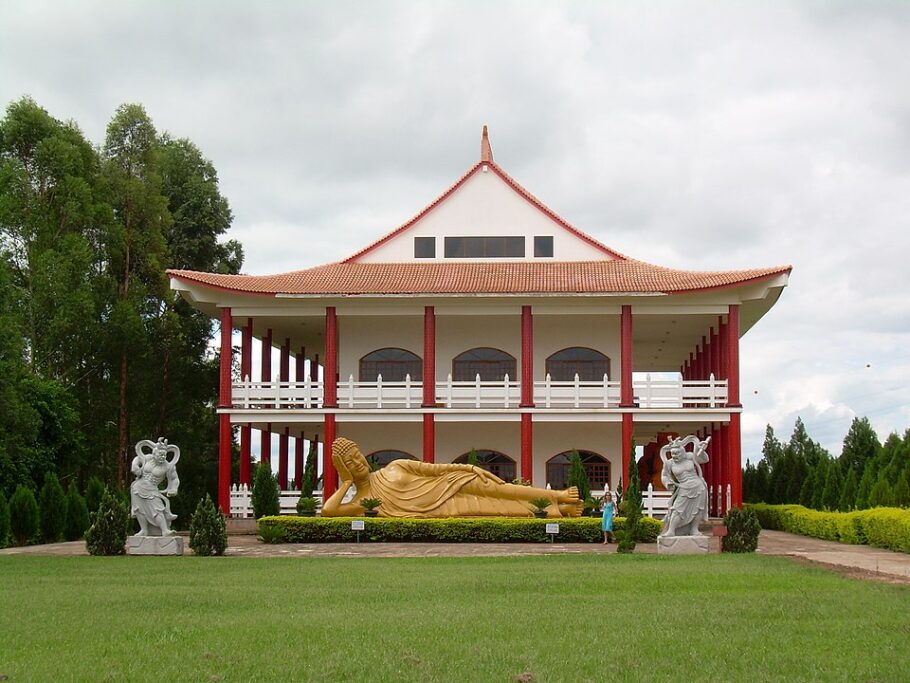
<point>561,618</point>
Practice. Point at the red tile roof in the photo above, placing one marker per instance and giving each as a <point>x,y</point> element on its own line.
<point>522,277</point>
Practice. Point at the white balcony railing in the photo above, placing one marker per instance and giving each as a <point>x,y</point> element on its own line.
<point>659,394</point>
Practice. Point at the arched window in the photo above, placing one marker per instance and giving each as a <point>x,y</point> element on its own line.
<point>491,364</point>
<point>493,462</point>
<point>380,459</point>
<point>596,466</point>
<point>590,365</point>
<point>392,364</point>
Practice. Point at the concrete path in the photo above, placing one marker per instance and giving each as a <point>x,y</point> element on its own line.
<point>854,560</point>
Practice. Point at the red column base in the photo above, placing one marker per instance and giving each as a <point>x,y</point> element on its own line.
<point>527,447</point>
<point>224,463</point>
<point>627,428</point>
<point>429,437</point>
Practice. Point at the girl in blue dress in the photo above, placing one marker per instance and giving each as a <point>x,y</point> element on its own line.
<point>606,523</point>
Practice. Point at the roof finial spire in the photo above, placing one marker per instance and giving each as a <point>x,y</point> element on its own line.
<point>486,152</point>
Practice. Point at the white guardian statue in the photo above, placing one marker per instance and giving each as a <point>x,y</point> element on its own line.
<point>148,503</point>
<point>682,475</point>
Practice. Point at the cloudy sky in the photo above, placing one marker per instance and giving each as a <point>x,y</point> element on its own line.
<point>704,135</point>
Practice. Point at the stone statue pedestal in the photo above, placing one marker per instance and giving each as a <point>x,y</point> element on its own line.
<point>682,545</point>
<point>154,545</point>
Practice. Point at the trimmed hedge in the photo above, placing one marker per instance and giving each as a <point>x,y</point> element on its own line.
<point>285,529</point>
<point>880,527</point>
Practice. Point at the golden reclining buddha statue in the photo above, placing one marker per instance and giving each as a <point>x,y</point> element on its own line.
<point>408,488</point>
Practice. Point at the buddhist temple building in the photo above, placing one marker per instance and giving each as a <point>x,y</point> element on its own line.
<point>487,324</point>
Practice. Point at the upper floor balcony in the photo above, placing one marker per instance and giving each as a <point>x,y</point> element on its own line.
<point>648,392</point>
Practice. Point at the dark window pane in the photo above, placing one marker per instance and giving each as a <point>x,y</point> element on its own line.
<point>590,365</point>
<point>496,463</point>
<point>454,247</point>
<point>424,247</point>
<point>515,247</point>
<point>543,246</point>
<point>474,247</point>
<point>380,459</point>
<point>596,467</point>
<point>491,364</point>
<point>393,364</point>
<point>484,247</point>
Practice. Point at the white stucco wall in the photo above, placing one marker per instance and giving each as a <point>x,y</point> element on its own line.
<point>485,206</point>
<point>359,335</point>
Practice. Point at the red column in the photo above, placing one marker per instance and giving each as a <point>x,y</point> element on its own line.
<point>298,460</point>
<point>715,354</point>
<point>734,445</point>
<point>330,380</point>
<point>265,443</point>
<point>626,398</point>
<point>225,435</point>
<point>283,459</point>
<point>527,447</point>
<point>527,359</point>
<point>626,447</point>
<point>331,360</point>
<point>429,383</point>
<point>284,374</point>
<point>246,435</point>
<point>299,376</point>
<point>329,476</point>
<point>429,357</point>
<point>429,438</point>
<point>723,469</point>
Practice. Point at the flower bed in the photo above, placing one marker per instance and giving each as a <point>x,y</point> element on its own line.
<point>450,530</point>
<point>880,527</point>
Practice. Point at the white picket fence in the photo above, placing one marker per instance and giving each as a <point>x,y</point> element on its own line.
<point>242,507</point>
<point>653,503</point>
<point>648,393</point>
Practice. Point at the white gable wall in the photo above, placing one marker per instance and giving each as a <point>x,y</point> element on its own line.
<point>485,205</point>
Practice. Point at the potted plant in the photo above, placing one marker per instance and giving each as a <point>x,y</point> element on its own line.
<point>540,506</point>
<point>590,507</point>
<point>306,506</point>
<point>369,506</point>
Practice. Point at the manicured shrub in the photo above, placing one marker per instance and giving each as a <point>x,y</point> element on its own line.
<point>4,520</point>
<point>629,533</point>
<point>265,498</point>
<point>77,520</point>
<point>208,532</point>
<point>107,534</point>
<point>742,531</point>
<point>94,491</point>
<point>287,529</point>
<point>23,515</point>
<point>52,509</point>
<point>880,527</point>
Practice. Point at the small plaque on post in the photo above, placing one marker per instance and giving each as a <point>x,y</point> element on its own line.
<point>357,525</point>
<point>552,528</point>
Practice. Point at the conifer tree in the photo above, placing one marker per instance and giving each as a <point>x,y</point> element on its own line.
<point>881,495</point>
<point>578,477</point>
<point>805,493</point>
<point>265,497</point>
<point>4,520</point>
<point>818,484</point>
<point>833,485</point>
<point>107,534</point>
<point>861,445</point>
<point>208,534</point>
<point>632,505</point>
<point>901,490</point>
<point>866,482</point>
<point>77,519</point>
<point>52,509</point>
<point>23,515</point>
<point>762,477</point>
<point>848,492</point>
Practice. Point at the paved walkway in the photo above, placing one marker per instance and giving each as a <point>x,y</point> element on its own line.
<point>854,560</point>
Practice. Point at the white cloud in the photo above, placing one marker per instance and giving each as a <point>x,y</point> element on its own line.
<point>696,134</point>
